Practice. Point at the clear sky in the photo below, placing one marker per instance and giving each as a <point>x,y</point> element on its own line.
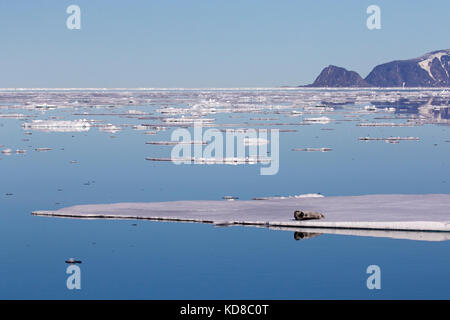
<point>208,43</point>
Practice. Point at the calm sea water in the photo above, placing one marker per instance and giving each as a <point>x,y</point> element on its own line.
<point>159,260</point>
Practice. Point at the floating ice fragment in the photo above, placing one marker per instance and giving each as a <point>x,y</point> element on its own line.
<point>135,112</point>
<point>171,143</point>
<point>300,196</point>
<point>109,128</point>
<point>139,127</point>
<point>13,115</point>
<point>58,126</point>
<point>390,139</point>
<point>385,124</point>
<point>320,120</point>
<point>370,108</point>
<point>313,149</point>
<point>255,141</point>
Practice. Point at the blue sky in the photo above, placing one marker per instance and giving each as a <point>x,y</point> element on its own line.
<point>200,43</point>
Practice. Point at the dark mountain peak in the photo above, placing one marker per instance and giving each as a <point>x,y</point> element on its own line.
<point>430,70</point>
<point>333,76</point>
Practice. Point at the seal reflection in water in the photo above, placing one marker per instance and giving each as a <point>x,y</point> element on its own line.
<point>305,235</point>
<point>73,261</point>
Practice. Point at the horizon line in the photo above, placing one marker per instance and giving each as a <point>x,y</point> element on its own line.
<point>215,88</point>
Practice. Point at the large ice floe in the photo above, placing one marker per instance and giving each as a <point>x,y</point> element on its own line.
<point>417,217</point>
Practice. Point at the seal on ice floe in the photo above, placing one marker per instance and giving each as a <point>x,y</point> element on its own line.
<point>307,215</point>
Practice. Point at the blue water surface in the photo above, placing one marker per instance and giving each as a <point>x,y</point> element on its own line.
<point>161,260</point>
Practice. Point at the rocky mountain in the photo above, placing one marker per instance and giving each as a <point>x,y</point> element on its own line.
<point>429,70</point>
<point>333,76</point>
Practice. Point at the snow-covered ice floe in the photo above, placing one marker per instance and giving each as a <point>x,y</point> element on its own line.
<point>394,215</point>
<point>58,126</point>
